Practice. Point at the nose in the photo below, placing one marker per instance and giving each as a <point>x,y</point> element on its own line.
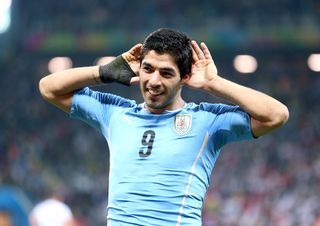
<point>155,79</point>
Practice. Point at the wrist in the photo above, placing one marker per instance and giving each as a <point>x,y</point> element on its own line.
<point>95,75</point>
<point>213,84</point>
<point>117,70</point>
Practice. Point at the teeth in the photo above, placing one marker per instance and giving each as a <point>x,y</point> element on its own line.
<point>153,92</point>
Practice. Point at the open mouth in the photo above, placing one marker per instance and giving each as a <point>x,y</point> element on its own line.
<point>154,93</point>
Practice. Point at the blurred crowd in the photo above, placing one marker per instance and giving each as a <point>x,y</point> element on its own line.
<point>272,181</point>
<point>107,14</point>
<point>96,24</point>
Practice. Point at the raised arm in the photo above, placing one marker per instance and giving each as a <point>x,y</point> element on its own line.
<point>58,88</point>
<point>266,112</point>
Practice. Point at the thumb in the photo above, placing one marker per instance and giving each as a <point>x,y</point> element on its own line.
<point>133,54</point>
<point>135,80</point>
<point>135,50</point>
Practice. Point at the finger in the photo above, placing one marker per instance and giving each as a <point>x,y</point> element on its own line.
<point>135,50</point>
<point>194,53</point>
<point>134,80</point>
<point>197,50</point>
<point>133,53</point>
<point>194,56</point>
<point>206,51</point>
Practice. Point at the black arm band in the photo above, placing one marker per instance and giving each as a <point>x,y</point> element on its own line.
<point>117,70</point>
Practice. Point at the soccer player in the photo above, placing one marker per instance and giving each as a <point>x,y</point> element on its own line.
<point>162,151</point>
<point>5,218</point>
<point>51,211</point>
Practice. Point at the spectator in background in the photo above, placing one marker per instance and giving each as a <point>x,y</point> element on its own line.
<point>51,212</point>
<point>5,218</point>
<point>13,207</point>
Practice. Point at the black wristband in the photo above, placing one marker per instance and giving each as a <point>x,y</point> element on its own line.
<point>117,70</point>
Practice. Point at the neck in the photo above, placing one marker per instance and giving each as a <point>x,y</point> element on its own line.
<point>172,107</point>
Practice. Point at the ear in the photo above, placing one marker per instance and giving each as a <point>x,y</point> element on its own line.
<point>185,79</point>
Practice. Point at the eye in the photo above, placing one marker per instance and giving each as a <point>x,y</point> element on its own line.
<point>167,74</point>
<point>147,69</point>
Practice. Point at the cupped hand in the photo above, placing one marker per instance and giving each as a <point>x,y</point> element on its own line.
<point>203,67</point>
<point>132,58</point>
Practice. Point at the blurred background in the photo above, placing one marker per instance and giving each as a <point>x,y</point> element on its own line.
<point>269,45</point>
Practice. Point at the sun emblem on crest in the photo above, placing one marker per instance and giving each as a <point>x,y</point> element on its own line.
<point>182,123</point>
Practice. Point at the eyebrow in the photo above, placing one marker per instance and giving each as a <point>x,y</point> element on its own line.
<point>166,69</point>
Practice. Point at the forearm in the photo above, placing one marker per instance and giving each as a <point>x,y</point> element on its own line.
<point>266,113</point>
<point>260,106</point>
<point>58,88</point>
<point>67,81</point>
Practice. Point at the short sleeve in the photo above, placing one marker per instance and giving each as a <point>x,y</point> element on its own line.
<point>95,108</point>
<point>229,123</point>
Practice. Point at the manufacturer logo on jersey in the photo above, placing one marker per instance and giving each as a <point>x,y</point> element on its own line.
<point>182,123</point>
<point>126,118</point>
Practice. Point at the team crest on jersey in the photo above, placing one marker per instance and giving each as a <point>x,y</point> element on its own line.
<point>182,123</point>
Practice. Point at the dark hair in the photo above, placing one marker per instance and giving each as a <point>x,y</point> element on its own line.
<point>172,42</point>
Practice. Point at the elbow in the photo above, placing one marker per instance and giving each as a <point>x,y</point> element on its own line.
<point>281,116</point>
<point>286,115</point>
<point>44,89</point>
<point>275,118</point>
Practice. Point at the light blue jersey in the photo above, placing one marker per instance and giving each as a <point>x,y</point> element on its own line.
<point>160,164</point>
